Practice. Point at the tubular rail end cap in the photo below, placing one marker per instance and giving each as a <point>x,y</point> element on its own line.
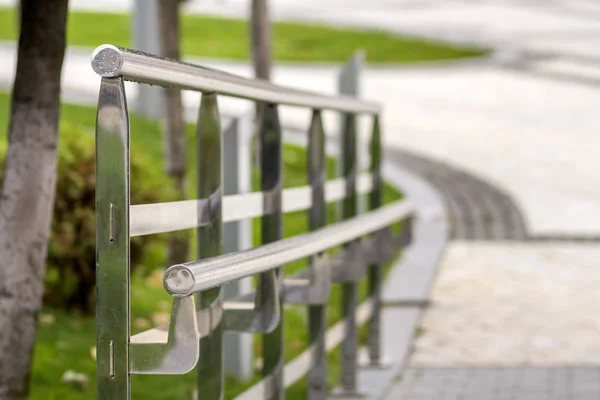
<point>179,280</point>
<point>107,61</point>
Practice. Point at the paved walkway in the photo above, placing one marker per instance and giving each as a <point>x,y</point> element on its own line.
<point>476,209</point>
<point>499,383</point>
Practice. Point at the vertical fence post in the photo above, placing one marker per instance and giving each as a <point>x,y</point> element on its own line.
<point>210,302</point>
<point>349,85</point>
<point>271,231</point>
<point>317,217</point>
<point>237,236</point>
<point>146,38</point>
<point>349,208</point>
<point>112,242</point>
<point>375,271</point>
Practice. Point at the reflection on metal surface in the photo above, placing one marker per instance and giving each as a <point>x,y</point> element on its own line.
<point>111,61</point>
<point>171,348</point>
<point>209,183</point>
<point>112,241</point>
<point>210,317</point>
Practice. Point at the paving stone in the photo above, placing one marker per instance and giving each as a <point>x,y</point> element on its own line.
<point>501,383</point>
<point>513,303</point>
<point>477,210</point>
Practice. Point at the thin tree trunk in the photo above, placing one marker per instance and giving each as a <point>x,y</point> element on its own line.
<point>261,39</point>
<point>260,36</point>
<point>174,127</point>
<point>27,196</point>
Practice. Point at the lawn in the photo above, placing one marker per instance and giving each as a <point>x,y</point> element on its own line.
<point>228,38</point>
<point>66,341</point>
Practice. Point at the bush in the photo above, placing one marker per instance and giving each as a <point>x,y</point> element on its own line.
<point>70,275</point>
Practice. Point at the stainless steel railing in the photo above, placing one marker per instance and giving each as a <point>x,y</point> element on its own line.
<point>200,317</point>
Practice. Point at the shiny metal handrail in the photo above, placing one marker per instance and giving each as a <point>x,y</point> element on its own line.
<point>195,276</point>
<point>111,61</point>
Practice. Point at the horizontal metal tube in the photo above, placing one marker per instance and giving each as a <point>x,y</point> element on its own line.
<point>146,219</point>
<point>192,277</point>
<point>111,61</point>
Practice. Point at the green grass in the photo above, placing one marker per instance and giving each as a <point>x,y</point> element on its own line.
<point>228,38</point>
<point>65,340</point>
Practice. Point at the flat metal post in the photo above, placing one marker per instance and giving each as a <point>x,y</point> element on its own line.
<point>317,218</point>
<point>349,84</point>
<point>349,209</point>
<point>375,271</point>
<point>272,230</point>
<point>237,236</point>
<point>112,242</point>
<point>210,302</point>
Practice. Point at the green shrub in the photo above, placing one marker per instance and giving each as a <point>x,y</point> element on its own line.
<point>70,275</point>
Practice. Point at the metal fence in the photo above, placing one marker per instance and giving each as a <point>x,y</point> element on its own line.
<point>200,316</point>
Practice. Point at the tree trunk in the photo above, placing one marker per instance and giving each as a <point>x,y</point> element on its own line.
<point>261,39</point>
<point>174,127</point>
<point>260,36</point>
<point>27,196</point>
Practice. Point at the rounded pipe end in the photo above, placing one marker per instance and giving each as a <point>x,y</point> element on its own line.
<point>107,61</point>
<point>179,280</point>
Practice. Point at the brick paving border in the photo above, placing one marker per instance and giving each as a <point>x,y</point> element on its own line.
<point>476,209</point>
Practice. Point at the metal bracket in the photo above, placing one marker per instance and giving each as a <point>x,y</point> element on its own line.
<point>383,244</point>
<point>380,247</point>
<point>312,285</point>
<point>349,265</point>
<point>257,312</point>
<point>169,349</point>
<point>405,237</point>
